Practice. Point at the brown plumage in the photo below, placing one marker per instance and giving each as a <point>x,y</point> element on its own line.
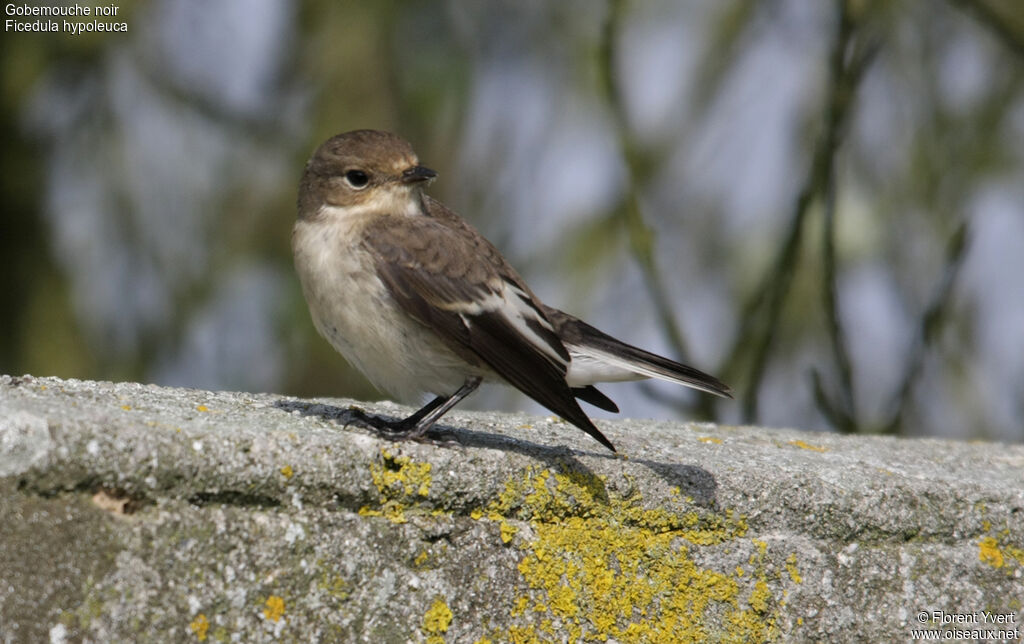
<point>421,302</point>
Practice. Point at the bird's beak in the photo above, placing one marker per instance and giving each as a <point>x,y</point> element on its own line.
<point>418,173</point>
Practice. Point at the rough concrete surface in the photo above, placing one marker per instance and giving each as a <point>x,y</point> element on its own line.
<point>139,513</point>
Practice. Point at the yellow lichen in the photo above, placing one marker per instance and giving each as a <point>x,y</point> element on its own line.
<point>710,439</point>
<point>520,605</point>
<point>436,621</point>
<point>601,566</point>
<point>794,574</point>
<point>807,446</point>
<point>334,584</point>
<point>400,482</point>
<point>989,553</point>
<point>393,511</point>
<point>396,476</point>
<point>1016,553</point>
<point>202,408</point>
<point>759,597</point>
<point>507,532</point>
<point>200,625</point>
<point>274,608</point>
<point>755,624</point>
<point>287,471</point>
<point>996,549</point>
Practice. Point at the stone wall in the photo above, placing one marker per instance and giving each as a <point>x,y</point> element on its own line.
<point>139,513</point>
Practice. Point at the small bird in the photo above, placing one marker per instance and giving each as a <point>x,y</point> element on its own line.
<point>421,303</point>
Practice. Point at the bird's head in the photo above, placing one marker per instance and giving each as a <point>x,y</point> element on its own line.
<point>363,172</point>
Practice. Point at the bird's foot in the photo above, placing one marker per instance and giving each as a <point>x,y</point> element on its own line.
<point>393,429</point>
<point>400,430</point>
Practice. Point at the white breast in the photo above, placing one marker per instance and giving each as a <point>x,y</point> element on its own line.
<point>353,310</point>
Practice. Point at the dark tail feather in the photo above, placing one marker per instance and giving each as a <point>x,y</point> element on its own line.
<point>585,338</point>
<point>591,395</point>
<point>659,367</point>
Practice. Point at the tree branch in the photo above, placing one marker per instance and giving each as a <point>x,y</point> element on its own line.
<point>764,309</point>
<point>641,236</point>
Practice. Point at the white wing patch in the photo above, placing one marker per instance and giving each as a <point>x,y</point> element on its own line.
<point>513,304</point>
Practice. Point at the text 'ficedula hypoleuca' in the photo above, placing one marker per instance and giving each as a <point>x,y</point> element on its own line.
<point>417,300</point>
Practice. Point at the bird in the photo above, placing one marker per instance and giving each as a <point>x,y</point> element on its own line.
<point>421,303</point>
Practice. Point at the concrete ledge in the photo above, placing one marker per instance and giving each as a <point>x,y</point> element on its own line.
<point>140,513</point>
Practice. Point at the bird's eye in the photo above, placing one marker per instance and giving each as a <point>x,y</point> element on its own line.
<point>357,179</point>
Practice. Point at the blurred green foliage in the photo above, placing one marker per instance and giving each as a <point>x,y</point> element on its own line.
<point>414,67</point>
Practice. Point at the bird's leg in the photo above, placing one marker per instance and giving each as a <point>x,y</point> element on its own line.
<point>420,422</point>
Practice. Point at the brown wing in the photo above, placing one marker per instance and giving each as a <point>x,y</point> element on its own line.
<point>452,280</point>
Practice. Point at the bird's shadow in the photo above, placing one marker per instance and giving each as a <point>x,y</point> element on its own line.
<point>693,482</point>
<point>445,435</point>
